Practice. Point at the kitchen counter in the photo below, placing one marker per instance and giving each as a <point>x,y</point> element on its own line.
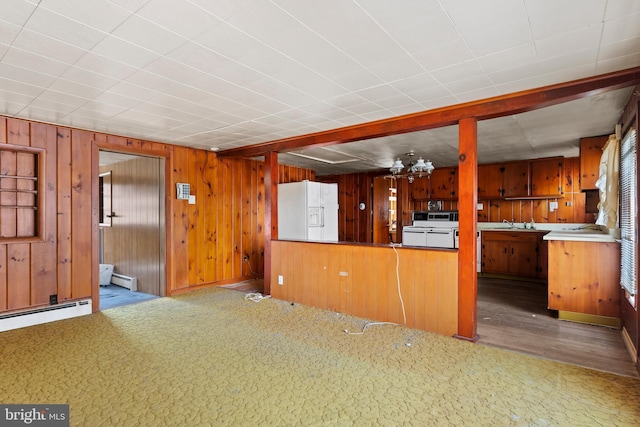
<point>580,236</point>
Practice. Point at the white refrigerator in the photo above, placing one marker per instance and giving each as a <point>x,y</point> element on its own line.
<point>308,210</point>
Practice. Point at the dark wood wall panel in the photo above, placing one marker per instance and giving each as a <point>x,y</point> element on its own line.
<point>354,225</point>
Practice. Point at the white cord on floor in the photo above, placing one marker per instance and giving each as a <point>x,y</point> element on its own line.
<point>346,331</point>
<point>255,297</point>
<point>404,314</point>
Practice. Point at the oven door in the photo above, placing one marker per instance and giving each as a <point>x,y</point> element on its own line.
<point>414,236</point>
<point>440,238</point>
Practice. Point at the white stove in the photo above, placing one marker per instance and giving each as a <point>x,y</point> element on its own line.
<point>435,229</point>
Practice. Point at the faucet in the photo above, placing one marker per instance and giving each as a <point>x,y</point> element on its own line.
<point>511,223</point>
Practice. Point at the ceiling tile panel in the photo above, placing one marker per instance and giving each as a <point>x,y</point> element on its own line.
<point>623,28</point>
<point>64,29</point>
<point>48,47</point>
<point>148,35</point>
<point>548,18</point>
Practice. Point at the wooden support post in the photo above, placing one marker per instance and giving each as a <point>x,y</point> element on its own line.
<point>467,252</point>
<point>270,213</point>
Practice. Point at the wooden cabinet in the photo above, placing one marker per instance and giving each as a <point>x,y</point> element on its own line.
<point>546,177</point>
<point>516,179</point>
<point>420,188</point>
<point>490,181</point>
<point>513,252</point>
<point>584,277</point>
<point>590,153</point>
<point>444,184</point>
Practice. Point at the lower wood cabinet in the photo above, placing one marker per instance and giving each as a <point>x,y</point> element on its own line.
<point>513,252</point>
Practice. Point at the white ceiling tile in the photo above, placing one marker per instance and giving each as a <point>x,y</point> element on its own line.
<point>105,66</point>
<point>118,50</point>
<point>148,35</point>
<point>575,59</point>
<point>621,48</point>
<point>99,14</point>
<point>89,78</point>
<point>134,91</point>
<point>31,61</point>
<point>623,28</point>
<point>551,17</point>
<point>616,64</point>
<point>24,75</point>
<point>358,80</point>
<point>567,43</point>
<point>75,33</point>
<point>98,110</point>
<point>479,81</point>
<point>509,58</point>
<point>621,8</point>
<point>17,12</point>
<point>473,95</point>
<point>441,56</point>
<point>8,32</point>
<point>456,72</point>
<point>180,17</point>
<point>48,47</point>
<point>515,74</point>
<point>511,86</point>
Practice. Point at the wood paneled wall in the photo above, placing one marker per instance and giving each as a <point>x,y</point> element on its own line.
<point>205,242</point>
<point>133,242</point>
<point>354,225</point>
<point>361,280</point>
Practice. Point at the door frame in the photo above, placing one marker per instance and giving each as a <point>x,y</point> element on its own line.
<point>165,202</point>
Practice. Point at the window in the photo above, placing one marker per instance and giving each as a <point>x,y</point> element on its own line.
<point>20,195</point>
<point>628,205</point>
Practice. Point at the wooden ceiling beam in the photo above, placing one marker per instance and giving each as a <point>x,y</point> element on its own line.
<point>489,108</point>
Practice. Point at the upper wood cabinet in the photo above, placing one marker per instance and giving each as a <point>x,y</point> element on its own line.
<point>546,177</point>
<point>516,179</point>
<point>534,178</point>
<point>444,183</point>
<point>490,181</point>
<point>590,154</point>
<point>420,188</point>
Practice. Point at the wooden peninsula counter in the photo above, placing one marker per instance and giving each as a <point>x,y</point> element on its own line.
<point>364,280</point>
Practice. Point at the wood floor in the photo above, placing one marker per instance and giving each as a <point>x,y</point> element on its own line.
<point>513,315</point>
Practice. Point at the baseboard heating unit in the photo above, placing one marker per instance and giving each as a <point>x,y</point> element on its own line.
<point>48,314</point>
<point>130,283</point>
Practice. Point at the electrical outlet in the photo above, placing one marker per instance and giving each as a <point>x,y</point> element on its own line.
<point>280,280</point>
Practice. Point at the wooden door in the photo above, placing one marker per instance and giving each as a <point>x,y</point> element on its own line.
<point>543,257</point>
<point>381,210</point>
<point>490,181</point>
<point>516,179</point>
<point>444,184</point>
<point>590,154</point>
<point>546,177</point>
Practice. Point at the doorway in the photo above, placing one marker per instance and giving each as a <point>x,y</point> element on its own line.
<point>132,227</point>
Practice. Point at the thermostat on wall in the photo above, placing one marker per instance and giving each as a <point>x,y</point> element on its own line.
<point>183,191</point>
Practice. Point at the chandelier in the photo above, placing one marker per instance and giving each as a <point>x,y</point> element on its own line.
<point>418,169</point>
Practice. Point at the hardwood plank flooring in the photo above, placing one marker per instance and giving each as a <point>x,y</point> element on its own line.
<point>513,315</point>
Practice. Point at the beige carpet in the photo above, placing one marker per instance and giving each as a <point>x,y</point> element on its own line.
<point>212,358</point>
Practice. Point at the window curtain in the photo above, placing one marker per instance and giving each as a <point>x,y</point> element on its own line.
<point>607,183</point>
